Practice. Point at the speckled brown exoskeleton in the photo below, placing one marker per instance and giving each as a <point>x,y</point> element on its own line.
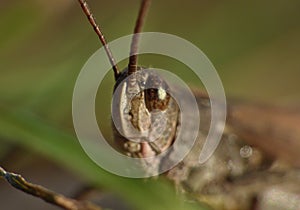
<point>257,159</point>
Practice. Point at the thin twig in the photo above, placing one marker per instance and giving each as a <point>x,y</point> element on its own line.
<point>18,182</point>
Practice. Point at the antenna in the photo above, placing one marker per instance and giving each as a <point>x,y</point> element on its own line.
<point>98,31</point>
<point>132,66</point>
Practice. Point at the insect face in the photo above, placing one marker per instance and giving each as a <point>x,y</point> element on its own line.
<point>144,113</point>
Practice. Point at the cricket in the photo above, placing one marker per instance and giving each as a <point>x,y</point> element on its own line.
<point>247,165</point>
<point>105,106</point>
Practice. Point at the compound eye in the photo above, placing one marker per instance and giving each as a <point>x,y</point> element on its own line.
<point>143,83</point>
<point>156,97</point>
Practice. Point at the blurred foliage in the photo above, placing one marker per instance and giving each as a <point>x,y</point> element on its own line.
<point>255,46</point>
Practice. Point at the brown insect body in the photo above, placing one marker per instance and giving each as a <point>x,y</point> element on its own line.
<point>223,181</point>
<point>273,129</point>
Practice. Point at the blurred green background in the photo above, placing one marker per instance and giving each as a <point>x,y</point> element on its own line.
<point>254,45</point>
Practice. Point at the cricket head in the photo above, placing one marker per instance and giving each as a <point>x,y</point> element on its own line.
<point>144,113</point>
